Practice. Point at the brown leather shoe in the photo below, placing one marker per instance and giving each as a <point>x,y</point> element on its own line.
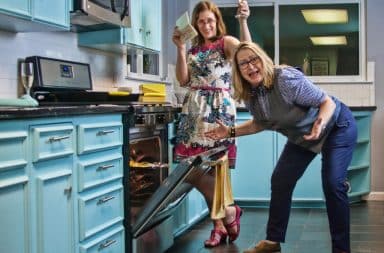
<point>265,247</point>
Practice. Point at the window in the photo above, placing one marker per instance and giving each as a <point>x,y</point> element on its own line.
<point>298,40</point>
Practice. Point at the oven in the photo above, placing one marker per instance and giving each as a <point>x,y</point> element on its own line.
<point>151,192</point>
<point>147,166</point>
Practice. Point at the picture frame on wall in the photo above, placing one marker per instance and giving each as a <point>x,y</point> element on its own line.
<point>319,67</point>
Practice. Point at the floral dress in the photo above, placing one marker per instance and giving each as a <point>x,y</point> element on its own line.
<point>208,99</point>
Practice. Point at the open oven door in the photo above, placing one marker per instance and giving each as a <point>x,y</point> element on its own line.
<point>173,189</point>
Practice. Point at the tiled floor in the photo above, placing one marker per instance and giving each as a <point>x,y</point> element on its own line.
<point>307,231</point>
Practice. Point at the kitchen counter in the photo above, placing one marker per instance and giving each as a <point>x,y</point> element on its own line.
<point>57,111</point>
<point>353,108</point>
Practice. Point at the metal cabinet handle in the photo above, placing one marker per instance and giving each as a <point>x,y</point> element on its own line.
<point>104,132</point>
<point>57,138</point>
<point>106,244</point>
<point>104,167</point>
<point>148,33</point>
<point>67,191</point>
<point>104,200</point>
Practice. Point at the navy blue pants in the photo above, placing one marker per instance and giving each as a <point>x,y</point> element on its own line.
<point>336,156</point>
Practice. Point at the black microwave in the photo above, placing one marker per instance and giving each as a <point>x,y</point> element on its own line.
<point>92,15</point>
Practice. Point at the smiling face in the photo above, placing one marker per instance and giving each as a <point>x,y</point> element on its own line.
<point>206,23</point>
<point>250,66</point>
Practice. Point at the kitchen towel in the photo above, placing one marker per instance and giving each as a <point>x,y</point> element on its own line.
<point>223,195</point>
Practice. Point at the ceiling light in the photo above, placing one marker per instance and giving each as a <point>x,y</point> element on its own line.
<point>325,16</point>
<point>328,40</point>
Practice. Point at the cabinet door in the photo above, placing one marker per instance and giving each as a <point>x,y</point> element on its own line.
<point>308,187</point>
<point>14,185</point>
<point>134,34</point>
<point>54,206</point>
<point>13,212</point>
<point>152,24</point>
<point>54,12</point>
<point>16,7</point>
<point>254,164</point>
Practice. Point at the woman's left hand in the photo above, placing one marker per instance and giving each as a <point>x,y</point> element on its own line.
<point>317,129</point>
<point>219,132</point>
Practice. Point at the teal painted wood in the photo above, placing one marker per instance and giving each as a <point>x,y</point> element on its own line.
<point>54,207</point>
<point>99,136</point>
<point>250,187</point>
<point>14,188</point>
<point>39,189</point>
<point>145,30</point>
<point>135,34</point>
<point>308,188</point>
<point>359,172</point>
<point>196,206</point>
<point>52,141</point>
<point>100,209</point>
<point>20,8</point>
<point>152,24</point>
<point>99,169</point>
<point>111,242</point>
<point>53,12</point>
<point>254,164</point>
<point>44,14</point>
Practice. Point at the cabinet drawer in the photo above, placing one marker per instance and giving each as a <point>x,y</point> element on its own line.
<point>94,137</point>
<point>52,141</point>
<point>15,145</point>
<point>111,242</point>
<point>100,210</point>
<point>94,172</point>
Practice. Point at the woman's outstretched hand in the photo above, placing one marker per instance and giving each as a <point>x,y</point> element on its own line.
<point>219,132</point>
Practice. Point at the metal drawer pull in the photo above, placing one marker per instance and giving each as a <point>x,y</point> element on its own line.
<point>104,132</point>
<point>68,190</point>
<point>106,244</point>
<point>104,167</point>
<point>57,138</point>
<point>105,199</point>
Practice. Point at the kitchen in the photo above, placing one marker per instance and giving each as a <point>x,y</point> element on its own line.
<point>109,70</point>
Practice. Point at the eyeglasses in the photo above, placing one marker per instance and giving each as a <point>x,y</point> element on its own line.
<point>209,21</point>
<point>245,64</point>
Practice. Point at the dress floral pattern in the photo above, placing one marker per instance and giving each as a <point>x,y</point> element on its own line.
<point>208,99</point>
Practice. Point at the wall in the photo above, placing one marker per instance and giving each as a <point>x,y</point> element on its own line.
<point>106,68</point>
<point>375,53</point>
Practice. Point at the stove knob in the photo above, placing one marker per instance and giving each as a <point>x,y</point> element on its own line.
<point>160,119</point>
<point>139,119</point>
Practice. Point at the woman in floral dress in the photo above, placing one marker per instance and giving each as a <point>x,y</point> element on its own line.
<point>206,70</point>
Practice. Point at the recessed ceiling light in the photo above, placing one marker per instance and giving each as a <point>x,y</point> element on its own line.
<point>325,16</point>
<point>328,40</point>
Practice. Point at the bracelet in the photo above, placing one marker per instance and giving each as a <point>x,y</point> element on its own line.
<point>232,132</point>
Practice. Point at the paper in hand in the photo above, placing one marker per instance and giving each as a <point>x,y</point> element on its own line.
<point>188,32</point>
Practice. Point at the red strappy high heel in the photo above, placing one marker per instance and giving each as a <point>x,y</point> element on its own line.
<point>233,228</point>
<point>217,237</point>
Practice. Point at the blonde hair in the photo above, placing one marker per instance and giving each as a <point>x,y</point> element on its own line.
<point>242,88</point>
<point>220,26</point>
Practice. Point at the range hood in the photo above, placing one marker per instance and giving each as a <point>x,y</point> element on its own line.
<point>93,15</point>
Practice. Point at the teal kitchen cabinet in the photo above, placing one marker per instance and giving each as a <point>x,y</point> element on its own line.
<point>99,191</point>
<point>145,31</point>
<point>146,25</point>
<point>52,149</point>
<point>14,188</point>
<point>19,8</point>
<point>61,184</point>
<point>35,15</point>
<point>257,157</point>
<point>254,164</point>
<point>193,207</point>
